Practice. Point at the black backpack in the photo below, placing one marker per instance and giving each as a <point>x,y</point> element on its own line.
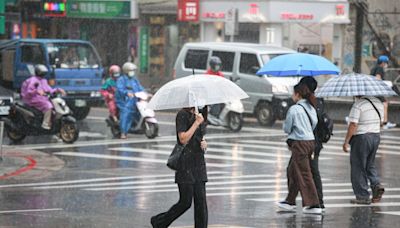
<point>324,129</point>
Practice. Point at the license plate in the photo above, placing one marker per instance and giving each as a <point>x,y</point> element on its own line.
<point>80,103</point>
<point>4,110</point>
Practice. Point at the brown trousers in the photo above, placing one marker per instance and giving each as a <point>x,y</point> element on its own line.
<point>299,174</point>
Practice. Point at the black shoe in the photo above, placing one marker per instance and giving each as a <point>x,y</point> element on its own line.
<point>377,192</point>
<point>153,222</point>
<point>322,206</point>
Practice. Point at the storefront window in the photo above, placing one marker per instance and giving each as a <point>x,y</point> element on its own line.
<point>226,59</point>
<point>196,59</point>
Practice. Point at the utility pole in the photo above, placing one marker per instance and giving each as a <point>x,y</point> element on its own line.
<point>360,6</point>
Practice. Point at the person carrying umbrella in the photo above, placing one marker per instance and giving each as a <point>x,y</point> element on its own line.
<point>363,134</point>
<point>191,175</point>
<point>312,84</point>
<point>379,72</point>
<point>300,121</point>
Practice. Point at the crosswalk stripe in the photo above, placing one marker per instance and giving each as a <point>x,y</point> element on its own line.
<point>389,212</point>
<point>30,210</point>
<point>243,152</point>
<point>125,158</point>
<point>341,197</point>
<point>168,187</point>
<point>154,181</point>
<point>381,204</point>
<point>101,179</point>
<point>210,156</point>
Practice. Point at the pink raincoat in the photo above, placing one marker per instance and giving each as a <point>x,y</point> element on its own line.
<point>31,97</point>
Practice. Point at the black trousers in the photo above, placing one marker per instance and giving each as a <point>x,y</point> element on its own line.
<point>316,175</point>
<point>187,193</point>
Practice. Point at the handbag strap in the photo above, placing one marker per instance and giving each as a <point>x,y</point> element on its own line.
<point>380,119</point>
<point>308,115</point>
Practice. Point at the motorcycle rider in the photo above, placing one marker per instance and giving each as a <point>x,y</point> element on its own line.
<point>127,86</point>
<point>108,90</point>
<point>215,66</point>
<point>33,93</point>
<point>215,69</point>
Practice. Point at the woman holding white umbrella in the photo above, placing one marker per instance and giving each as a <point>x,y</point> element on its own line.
<point>191,175</point>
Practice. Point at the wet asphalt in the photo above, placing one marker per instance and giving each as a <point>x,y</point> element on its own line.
<point>104,182</point>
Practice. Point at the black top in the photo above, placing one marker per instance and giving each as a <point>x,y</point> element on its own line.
<point>193,166</point>
<point>378,70</point>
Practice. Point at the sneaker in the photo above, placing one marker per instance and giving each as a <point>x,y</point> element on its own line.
<point>316,209</point>
<point>322,207</point>
<point>46,126</point>
<point>389,125</point>
<point>361,201</point>
<point>377,193</point>
<point>284,206</point>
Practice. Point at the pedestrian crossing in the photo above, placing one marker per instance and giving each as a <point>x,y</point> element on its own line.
<point>249,167</point>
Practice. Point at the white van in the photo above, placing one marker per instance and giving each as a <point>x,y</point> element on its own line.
<point>269,97</point>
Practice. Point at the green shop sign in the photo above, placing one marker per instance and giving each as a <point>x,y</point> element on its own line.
<point>144,50</point>
<point>99,9</point>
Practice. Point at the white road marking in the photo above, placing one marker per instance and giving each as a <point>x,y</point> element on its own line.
<point>125,158</point>
<point>209,156</point>
<point>132,141</point>
<point>99,180</point>
<point>30,210</point>
<point>389,212</point>
<point>381,204</point>
<point>325,198</point>
<point>155,181</point>
<point>91,134</point>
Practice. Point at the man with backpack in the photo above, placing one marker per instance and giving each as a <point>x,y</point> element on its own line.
<point>322,134</point>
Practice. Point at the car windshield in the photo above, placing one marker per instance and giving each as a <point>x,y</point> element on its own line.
<point>72,55</point>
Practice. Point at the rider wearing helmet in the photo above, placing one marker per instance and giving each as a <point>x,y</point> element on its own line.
<point>127,86</point>
<point>215,66</point>
<point>33,93</point>
<point>108,90</point>
<point>215,69</point>
<point>379,72</point>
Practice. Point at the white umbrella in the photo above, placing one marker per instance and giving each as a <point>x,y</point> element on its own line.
<point>350,85</point>
<point>196,90</point>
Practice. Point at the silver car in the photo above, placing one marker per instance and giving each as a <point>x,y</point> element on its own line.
<point>269,97</point>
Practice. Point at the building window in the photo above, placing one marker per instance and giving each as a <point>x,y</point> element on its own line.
<point>227,59</point>
<point>270,34</point>
<point>248,64</point>
<point>196,59</point>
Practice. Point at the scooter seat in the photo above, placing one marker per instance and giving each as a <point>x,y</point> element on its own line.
<point>35,111</point>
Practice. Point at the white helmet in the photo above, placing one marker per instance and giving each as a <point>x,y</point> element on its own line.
<point>129,69</point>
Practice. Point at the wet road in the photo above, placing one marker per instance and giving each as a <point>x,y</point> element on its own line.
<point>105,182</point>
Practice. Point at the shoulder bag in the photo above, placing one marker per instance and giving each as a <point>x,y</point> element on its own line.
<point>174,157</point>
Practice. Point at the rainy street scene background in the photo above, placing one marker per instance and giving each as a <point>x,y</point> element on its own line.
<point>90,92</point>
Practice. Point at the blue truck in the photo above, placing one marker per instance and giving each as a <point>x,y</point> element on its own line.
<point>74,65</point>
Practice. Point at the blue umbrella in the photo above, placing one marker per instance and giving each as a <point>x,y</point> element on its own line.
<point>298,64</point>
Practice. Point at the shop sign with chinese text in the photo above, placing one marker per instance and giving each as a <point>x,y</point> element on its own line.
<point>99,9</point>
<point>188,10</point>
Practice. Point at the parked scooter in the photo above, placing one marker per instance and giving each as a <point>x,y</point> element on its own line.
<point>230,117</point>
<point>24,120</point>
<point>145,122</point>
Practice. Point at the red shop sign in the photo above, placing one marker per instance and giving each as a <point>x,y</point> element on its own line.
<point>188,10</point>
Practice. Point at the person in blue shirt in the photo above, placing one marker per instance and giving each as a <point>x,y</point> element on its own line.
<point>301,119</point>
<point>127,86</point>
